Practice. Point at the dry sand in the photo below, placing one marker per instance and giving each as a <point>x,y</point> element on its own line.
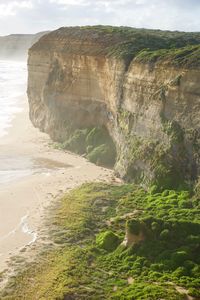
<point>23,202</point>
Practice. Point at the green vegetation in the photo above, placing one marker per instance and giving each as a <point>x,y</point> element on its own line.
<point>133,40</point>
<point>146,161</point>
<point>107,240</point>
<point>164,161</point>
<point>95,143</point>
<point>188,56</point>
<point>87,262</point>
<point>122,241</point>
<point>135,226</point>
<point>173,130</point>
<point>159,158</point>
<point>125,42</point>
<point>102,155</point>
<point>77,141</point>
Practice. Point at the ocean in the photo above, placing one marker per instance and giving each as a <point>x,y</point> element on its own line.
<point>13,78</point>
<point>19,200</point>
<point>13,85</point>
<point>13,81</point>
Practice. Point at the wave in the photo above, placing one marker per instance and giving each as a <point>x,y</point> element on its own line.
<point>23,226</point>
<point>13,78</point>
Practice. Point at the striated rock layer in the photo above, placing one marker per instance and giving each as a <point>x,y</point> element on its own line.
<point>148,99</point>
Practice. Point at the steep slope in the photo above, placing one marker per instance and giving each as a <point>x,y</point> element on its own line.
<point>141,85</point>
<point>15,46</point>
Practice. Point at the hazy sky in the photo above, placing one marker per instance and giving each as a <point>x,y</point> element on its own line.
<point>27,16</point>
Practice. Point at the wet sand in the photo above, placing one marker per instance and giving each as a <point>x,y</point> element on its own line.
<point>48,174</point>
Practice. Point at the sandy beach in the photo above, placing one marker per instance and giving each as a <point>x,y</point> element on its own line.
<point>23,201</point>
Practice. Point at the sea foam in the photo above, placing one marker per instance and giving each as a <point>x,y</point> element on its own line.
<point>13,78</point>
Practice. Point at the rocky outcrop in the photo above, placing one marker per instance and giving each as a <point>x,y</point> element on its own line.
<point>15,46</point>
<point>135,233</point>
<point>149,100</point>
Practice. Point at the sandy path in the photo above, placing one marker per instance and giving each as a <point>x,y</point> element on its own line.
<point>22,203</point>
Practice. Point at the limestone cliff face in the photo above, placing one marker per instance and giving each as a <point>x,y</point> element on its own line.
<point>150,108</point>
<point>164,117</point>
<point>15,46</point>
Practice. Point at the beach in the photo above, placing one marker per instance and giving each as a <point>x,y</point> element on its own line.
<point>43,174</point>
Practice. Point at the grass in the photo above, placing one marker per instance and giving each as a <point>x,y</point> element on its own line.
<point>121,42</point>
<point>84,265</point>
<point>187,57</point>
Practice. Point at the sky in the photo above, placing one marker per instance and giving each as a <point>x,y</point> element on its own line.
<point>31,16</point>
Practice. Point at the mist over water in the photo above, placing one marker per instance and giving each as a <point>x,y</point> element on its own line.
<point>13,78</point>
<point>13,84</point>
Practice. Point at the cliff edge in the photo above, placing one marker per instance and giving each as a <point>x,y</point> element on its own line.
<point>141,86</point>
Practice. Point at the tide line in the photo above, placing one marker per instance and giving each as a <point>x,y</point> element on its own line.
<point>24,227</point>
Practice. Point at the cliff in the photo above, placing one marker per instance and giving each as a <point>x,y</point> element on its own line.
<point>141,85</point>
<point>15,46</point>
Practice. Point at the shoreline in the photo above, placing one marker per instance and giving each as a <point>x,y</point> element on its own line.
<point>29,197</point>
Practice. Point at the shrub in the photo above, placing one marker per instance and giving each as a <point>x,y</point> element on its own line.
<point>154,189</point>
<point>146,291</point>
<point>155,227</point>
<point>165,234</point>
<point>187,56</point>
<point>107,240</point>
<point>188,264</point>
<point>196,271</point>
<point>194,292</point>
<point>134,226</point>
<point>193,239</point>
<point>98,136</point>
<point>96,142</point>
<point>100,147</point>
<point>179,257</point>
<point>180,271</point>
<point>76,143</point>
<point>158,267</point>
<point>102,155</point>
<point>165,193</point>
<point>184,195</point>
<point>185,204</point>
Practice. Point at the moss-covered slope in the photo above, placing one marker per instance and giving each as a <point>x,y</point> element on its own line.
<point>91,258</point>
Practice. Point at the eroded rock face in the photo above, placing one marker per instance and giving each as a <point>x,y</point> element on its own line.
<point>70,91</point>
<point>151,110</point>
<point>136,232</point>
<point>163,116</point>
<point>133,239</point>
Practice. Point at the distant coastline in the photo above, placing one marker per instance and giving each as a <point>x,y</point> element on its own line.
<point>15,46</point>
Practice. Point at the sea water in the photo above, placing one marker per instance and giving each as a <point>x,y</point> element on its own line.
<point>13,85</point>
<point>15,167</point>
<point>13,78</point>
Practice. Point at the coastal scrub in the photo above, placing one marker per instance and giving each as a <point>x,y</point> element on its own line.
<point>90,261</point>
